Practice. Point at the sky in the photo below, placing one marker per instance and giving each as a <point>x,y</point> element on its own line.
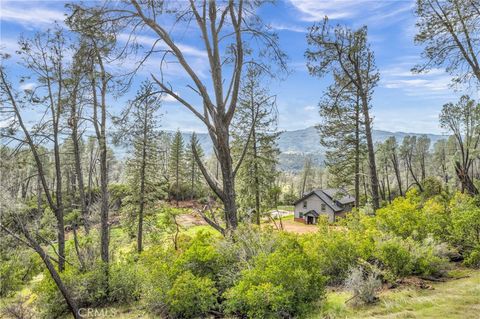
<point>402,101</point>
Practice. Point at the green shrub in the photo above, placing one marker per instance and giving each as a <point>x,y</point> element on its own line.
<point>201,256</point>
<point>282,284</point>
<point>428,258</point>
<point>10,277</point>
<point>395,256</point>
<point>465,224</point>
<point>49,300</point>
<point>87,288</point>
<point>124,283</point>
<point>403,217</point>
<point>335,253</point>
<point>473,259</point>
<point>403,257</point>
<point>191,296</point>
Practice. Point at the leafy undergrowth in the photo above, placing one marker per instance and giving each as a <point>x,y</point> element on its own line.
<point>455,298</point>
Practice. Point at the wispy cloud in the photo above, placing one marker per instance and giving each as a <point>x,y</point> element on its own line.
<point>148,41</point>
<point>434,84</point>
<point>287,27</point>
<point>364,11</point>
<point>30,15</point>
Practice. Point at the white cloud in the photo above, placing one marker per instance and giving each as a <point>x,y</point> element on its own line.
<point>365,11</point>
<point>434,84</point>
<point>169,99</point>
<point>148,41</point>
<point>28,15</point>
<point>27,86</point>
<point>310,108</point>
<point>288,27</point>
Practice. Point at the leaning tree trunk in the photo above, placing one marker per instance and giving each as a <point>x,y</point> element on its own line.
<point>394,160</point>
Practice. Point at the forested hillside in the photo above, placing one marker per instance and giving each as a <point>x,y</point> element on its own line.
<point>295,145</point>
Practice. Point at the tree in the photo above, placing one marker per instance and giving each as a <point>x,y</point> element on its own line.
<point>222,30</point>
<point>74,87</point>
<point>383,163</point>
<point>346,53</point>
<point>422,153</point>
<point>440,158</point>
<point>341,133</point>
<point>449,30</point>
<point>392,149</point>
<point>43,56</point>
<point>16,101</point>
<point>99,43</point>
<point>176,166</point>
<point>195,175</point>
<point>254,125</point>
<point>463,120</point>
<point>306,175</point>
<point>409,154</point>
<point>139,127</point>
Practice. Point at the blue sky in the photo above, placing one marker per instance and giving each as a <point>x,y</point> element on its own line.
<point>402,101</point>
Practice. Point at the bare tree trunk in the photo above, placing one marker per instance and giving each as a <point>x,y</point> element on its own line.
<point>78,163</point>
<point>388,183</point>
<point>410,168</point>
<point>394,160</point>
<point>77,247</point>
<point>371,154</point>
<point>255,159</point>
<point>357,154</point>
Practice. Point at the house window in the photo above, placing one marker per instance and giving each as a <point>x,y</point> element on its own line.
<point>305,204</point>
<point>323,207</point>
<point>301,215</point>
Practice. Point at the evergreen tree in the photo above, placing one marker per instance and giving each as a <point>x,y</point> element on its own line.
<point>140,128</point>
<point>341,133</point>
<point>347,55</point>
<point>176,166</point>
<point>255,134</point>
<point>195,177</point>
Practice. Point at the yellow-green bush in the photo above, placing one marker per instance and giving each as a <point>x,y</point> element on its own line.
<point>282,284</point>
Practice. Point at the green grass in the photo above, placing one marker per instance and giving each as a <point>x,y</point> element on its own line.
<point>454,299</point>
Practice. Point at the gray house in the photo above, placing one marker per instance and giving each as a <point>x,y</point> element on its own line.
<point>331,202</point>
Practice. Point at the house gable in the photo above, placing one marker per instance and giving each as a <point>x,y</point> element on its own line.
<point>313,202</point>
<point>324,203</point>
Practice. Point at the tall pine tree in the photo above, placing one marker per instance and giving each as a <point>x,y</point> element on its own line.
<point>255,123</point>
<point>176,167</point>
<point>140,128</point>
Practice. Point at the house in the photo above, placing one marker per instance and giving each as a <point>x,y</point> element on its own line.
<point>331,202</point>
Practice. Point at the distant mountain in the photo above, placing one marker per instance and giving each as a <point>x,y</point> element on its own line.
<point>296,145</point>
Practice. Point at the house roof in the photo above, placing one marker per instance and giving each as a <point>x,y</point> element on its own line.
<point>330,196</point>
<point>311,212</point>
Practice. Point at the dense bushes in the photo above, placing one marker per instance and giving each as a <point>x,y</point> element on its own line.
<point>268,274</point>
<point>191,296</point>
<point>280,285</point>
<point>334,252</point>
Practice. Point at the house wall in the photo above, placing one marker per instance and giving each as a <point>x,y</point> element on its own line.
<point>315,203</point>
